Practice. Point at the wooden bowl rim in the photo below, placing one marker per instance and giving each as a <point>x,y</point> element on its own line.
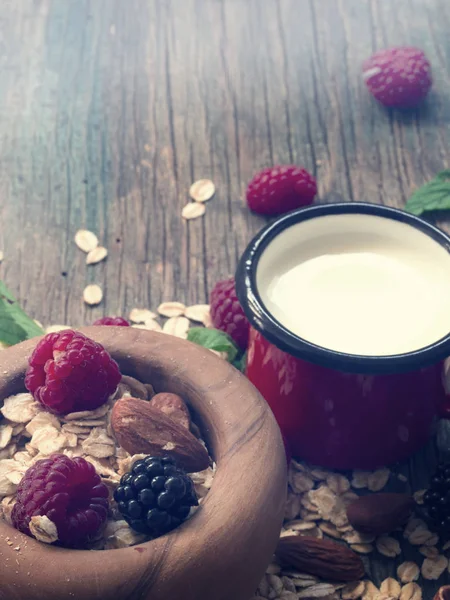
<point>233,429</point>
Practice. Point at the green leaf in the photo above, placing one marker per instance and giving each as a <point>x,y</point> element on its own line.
<point>434,195</point>
<point>15,325</point>
<point>240,362</point>
<point>214,340</point>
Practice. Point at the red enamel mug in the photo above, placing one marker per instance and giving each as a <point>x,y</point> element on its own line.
<point>349,306</point>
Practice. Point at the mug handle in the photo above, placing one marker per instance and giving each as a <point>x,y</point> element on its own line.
<point>443,408</point>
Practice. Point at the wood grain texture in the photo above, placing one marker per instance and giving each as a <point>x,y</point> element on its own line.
<point>109,110</point>
<point>223,551</point>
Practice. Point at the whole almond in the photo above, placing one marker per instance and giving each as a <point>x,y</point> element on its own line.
<point>142,429</point>
<point>173,406</point>
<point>320,557</point>
<point>379,513</point>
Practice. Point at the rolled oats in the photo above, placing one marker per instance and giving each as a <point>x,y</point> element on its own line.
<point>360,479</point>
<point>141,315</point>
<point>96,255</point>
<point>353,591</point>
<point>20,408</point>
<point>202,190</point>
<point>391,588</point>
<point>411,591</point>
<point>432,568</point>
<point>370,591</point>
<point>92,294</point>
<point>330,530</point>
<point>149,326</point>
<point>43,529</point>
<point>378,480</point>
<point>193,210</point>
<point>388,546</point>
<point>418,496</point>
<point>300,482</point>
<point>86,240</point>
<point>338,483</point>
<point>42,419</point>
<point>197,312</point>
<point>6,433</point>
<point>177,326</point>
<point>319,590</point>
<point>408,571</point>
<point>429,551</point>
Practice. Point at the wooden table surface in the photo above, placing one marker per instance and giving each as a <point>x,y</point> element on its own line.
<point>110,109</point>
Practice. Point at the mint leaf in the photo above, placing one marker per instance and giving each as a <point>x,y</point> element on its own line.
<point>240,362</point>
<point>434,195</point>
<point>15,325</point>
<point>214,340</point>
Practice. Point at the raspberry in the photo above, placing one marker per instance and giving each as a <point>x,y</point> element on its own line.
<point>437,501</point>
<point>155,496</point>
<point>67,491</point>
<point>227,314</point>
<point>116,321</point>
<point>69,372</point>
<point>398,77</point>
<point>277,190</point>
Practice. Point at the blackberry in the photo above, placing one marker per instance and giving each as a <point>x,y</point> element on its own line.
<point>437,500</point>
<point>156,496</point>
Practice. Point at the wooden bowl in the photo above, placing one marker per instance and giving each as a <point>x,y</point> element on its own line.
<point>219,554</point>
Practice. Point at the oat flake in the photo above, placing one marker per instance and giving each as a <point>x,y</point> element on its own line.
<point>408,571</point>
<point>391,588</point>
<point>149,326</point>
<point>202,190</point>
<point>92,294</point>
<point>197,312</point>
<point>378,479</point>
<point>96,255</point>
<point>370,592</point>
<point>20,408</point>
<point>388,546</point>
<point>193,210</point>
<point>177,326</point>
<point>411,591</point>
<point>362,548</point>
<point>86,240</point>
<point>432,568</point>
<point>141,315</point>
<point>171,309</point>
<point>43,529</point>
<point>353,591</point>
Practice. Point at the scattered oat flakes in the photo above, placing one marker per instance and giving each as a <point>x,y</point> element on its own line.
<point>86,240</point>
<point>411,591</point>
<point>96,255</point>
<point>378,479</point>
<point>330,530</point>
<point>92,294</point>
<point>362,548</point>
<point>197,312</point>
<point>98,444</point>
<point>42,419</point>
<point>370,592</point>
<point>193,210</point>
<point>48,440</point>
<point>177,326</point>
<point>324,499</point>
<point>56,328</point>
<point>339,484</point>
<point>432,568</point>
<point>202,190</point>
<point>356,537</point>
<point>391,588</point>
<point>388,546</point>
<point>299,482</point>
<point>429,551</point>
<point>20,408</point>
<point>408,571</point>
<point>171,309</point>
<point>141,315</point>
<point>319,590</point>
<point>6,432</point>
<point>422,535</point>
<point>418,496</point>
<point>43,529</point>
<point>360,479</point>
<point>353,591</point>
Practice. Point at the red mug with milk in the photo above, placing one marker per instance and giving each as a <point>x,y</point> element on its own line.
<point>349,306</point>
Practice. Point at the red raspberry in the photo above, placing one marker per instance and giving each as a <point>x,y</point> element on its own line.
<point>69,372</point>
<point>67,491</point>
<point>277,190</point>
<point>227,314</point>
<point>399,77</point>
<point>116,321</point>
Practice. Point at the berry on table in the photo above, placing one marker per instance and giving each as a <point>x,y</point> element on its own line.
<point>277,190</point>
<point>69,372</point>
<point>398,77</point>
<point>69,493</point>
<point>112,321</point>
<point>156,496</point>
<point>227,314</point>
<point>437,500</point>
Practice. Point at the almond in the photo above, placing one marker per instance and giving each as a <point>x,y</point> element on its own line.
<point>173,406</point>
<point>142,429</point>
<point>320,557</point>
<point>379,513</point>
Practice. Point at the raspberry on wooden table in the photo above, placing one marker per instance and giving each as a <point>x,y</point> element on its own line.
<point>69,493</point>
<point>69,372</point>
<point>114,321</point>
<point>227,314</point>
<point>399,77</point>
<point>277,190</point>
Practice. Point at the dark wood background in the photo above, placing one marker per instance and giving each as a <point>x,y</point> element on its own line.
<point>110,109</point>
